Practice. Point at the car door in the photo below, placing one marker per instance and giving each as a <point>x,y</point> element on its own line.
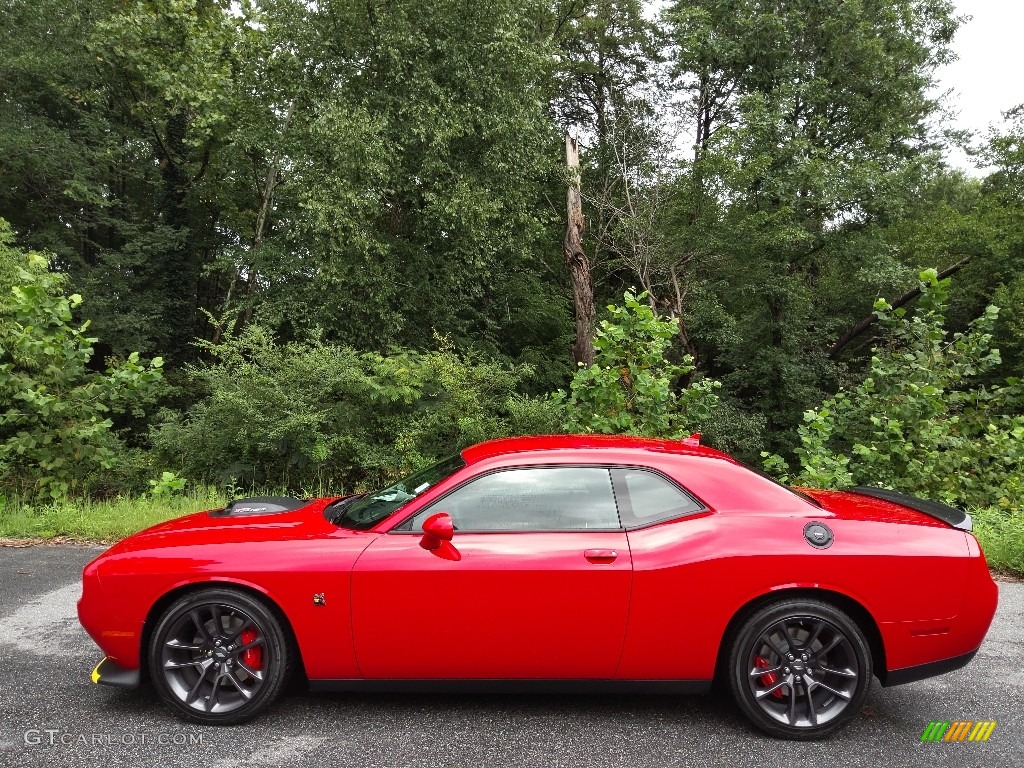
<point>539,588</point>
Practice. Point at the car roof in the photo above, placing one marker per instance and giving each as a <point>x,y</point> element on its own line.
<point>543,443</point>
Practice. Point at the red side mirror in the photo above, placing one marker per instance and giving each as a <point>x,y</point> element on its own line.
<point>438,526</point>
<point>438,531</point>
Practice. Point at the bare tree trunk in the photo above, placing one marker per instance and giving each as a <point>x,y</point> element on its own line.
<point>677,312</point>
<point>576,260</point>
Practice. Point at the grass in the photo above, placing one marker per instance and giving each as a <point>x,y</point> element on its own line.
<point>107,520</point>
<point>1000,532</point>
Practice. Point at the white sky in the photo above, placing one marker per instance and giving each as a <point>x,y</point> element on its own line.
<point>988,77</point>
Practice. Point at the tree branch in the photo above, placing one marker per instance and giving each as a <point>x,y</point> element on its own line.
<point>906,298</point>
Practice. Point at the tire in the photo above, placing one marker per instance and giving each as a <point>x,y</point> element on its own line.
<point>799,668</point>
<point>219,657</point>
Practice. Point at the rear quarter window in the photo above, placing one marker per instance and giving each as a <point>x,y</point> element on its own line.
<point>646,497</point>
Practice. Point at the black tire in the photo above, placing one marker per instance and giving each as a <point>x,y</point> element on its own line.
<point>799,668</point>
<point>219,657</point>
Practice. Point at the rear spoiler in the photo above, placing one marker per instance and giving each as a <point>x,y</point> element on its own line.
<point>947,514</point>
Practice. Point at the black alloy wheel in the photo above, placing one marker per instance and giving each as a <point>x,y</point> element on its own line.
<point>799,669</point>
<point>219,657</point>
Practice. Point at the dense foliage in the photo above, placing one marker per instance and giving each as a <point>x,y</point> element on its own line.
<point>56,431</point>
<point>632,388</point>
<point>315,416</point>
<point>923,420</point>
<point>368,200</point>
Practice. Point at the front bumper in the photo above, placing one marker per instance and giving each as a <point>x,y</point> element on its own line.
<point>109,673</point>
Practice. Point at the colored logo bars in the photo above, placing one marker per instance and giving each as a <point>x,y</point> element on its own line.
<point>960,730</point>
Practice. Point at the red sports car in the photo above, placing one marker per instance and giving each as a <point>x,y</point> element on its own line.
<point>567,562</point>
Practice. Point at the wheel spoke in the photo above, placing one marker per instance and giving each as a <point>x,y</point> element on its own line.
<point>177,645</point>
<point>247,646</point>
<point>215,613</point>
<point>254,673</point>
<point>836,640</point>
<point>247,694</point>
<point>768,691</point>
<point>769,641</point>
<point>812,713</point>
<point>818,625</point>
<point>244,626</point>
<point>830,689</point>
<point>840,672</point>
<point>789,636</point>
<point>192,694</point>
<point>200,625</point>
<point>170,664</point>
<point>791,712</point>
<point>212,698</point>
<point>756,672</point>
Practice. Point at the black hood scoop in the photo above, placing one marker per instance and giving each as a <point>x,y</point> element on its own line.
<point>259,505</point>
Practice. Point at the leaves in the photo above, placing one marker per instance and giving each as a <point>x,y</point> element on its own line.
<point>923,421</point>
<point>318,415</point>
<point>631,386</point>
<point>56,431</point>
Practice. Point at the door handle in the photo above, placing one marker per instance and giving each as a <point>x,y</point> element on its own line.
<point>601,556</point>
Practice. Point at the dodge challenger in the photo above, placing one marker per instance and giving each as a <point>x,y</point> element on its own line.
<point>570,563</point>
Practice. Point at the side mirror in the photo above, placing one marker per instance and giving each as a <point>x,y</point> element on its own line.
<point>437,529</point>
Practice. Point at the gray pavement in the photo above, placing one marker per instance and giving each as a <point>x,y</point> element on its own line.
<point>51,715</point>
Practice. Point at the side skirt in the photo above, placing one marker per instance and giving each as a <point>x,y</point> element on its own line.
<point>684,687</point>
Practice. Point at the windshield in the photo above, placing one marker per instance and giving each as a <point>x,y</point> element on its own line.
<point>368,510</point>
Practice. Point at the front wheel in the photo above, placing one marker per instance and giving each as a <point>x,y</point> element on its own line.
<point>219,657</point>
<point>799,669</point>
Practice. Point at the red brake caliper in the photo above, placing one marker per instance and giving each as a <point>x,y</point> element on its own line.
<point>252,657</point>
<point>768,679</point>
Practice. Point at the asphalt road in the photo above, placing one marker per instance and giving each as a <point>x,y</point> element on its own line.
<point>51,715</point>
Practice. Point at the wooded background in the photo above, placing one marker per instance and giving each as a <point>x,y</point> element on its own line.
<point>387,180</point>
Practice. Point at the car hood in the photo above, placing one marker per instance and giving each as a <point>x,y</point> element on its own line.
<point>244,523</point>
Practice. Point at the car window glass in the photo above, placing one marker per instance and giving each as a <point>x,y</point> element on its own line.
<point>647,497</point>
<point>530,499</point>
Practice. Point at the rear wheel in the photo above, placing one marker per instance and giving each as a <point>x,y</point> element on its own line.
<point>219,656</point>
<point>799,669</point>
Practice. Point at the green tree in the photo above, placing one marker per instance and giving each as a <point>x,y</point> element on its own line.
<point>631,386</point>
<point>321,417</point>
<point>111,117</point>
<point>921,421</point>
<point>1003,200</point>
<point>810,126</point>
<point>55,428</point>
<point>417,167</point>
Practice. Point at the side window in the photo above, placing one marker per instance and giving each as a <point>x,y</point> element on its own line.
<point>529,499</point>
<point>646,497</point>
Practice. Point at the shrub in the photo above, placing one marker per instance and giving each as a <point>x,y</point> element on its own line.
<point>631,388</point>
<point>921,422</point>
<point>56,434</point>
<point>314,416</point>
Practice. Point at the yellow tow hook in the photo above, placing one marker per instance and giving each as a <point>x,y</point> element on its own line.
<point>96,671</point>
